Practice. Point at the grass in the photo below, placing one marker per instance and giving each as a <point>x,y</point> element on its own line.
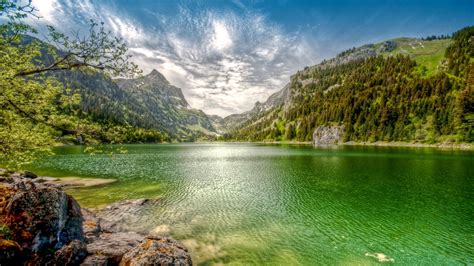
<point>201,129</point>
<point>427,54</point>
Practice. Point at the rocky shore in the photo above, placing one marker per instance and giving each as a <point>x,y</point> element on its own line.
<point>42,225</point>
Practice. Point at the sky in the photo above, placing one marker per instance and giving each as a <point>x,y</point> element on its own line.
<point>228,54</point>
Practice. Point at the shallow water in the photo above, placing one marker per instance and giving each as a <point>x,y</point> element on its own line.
<point>291,205</point>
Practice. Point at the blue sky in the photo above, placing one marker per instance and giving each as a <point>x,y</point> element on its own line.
<point>226,55</point>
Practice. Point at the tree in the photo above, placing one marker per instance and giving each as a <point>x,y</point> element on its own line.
<point>290,131</point>
<point>31,100</point>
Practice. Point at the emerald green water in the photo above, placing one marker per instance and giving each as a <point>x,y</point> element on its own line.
<point>291,205</point>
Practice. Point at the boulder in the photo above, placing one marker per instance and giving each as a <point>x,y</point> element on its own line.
<point>97,260</point>
<point>39,218</point>
<point>123,215</point>
<point>327,135</point>
<point>114,245</point>
<point>157,251</point>
<point>71,254</point>
<point>91,225</point>
<point>30,175</point>
<point>387,46</point>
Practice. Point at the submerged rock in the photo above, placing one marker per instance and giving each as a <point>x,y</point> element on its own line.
<point>380,257</point>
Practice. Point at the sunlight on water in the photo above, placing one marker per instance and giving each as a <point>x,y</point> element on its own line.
<point>290,205</point>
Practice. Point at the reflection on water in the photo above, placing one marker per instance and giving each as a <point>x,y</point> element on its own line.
<point>254,204</point>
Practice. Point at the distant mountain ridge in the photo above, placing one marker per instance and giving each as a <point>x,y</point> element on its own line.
<point>166,105</point>
<point>235,121</point>
<point>148,102</point>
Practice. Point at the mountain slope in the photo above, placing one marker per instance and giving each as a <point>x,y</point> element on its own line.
<point>148,104</point>
<point>389,91</point>
<point>428,54</point>
<point>235,121</point>
<point>164,105</point>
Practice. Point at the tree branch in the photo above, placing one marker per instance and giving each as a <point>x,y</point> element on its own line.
<point>54,67</point>
<point>34,119</point>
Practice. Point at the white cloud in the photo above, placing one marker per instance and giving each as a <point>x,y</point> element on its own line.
<point>224,61</point>
<point>221,39</point>
<point>46,9</point>
<point>143,51</point>
<point>125,29</point>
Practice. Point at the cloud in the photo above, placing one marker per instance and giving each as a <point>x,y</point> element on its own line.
<point>224,59</point>
<point>221,39</point>
<point>46,9</point>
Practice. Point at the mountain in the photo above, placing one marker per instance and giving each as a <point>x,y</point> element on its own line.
<point>147,108</point>
<point>404,89</point>
<point>236,121</point>
<point>165,105</point>
<point>148,102</point>
<point>428,53</point>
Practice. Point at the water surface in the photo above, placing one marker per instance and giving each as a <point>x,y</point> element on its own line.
<point>291,205</point>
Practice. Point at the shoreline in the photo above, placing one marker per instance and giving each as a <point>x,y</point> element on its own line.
<point>454,146</point>
<point>74,181</point>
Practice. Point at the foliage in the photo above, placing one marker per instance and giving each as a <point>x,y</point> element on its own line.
<point>36,110</point>
<point>460,54</point>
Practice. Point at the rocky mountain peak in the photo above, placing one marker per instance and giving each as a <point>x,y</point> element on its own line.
<point>155,76</point>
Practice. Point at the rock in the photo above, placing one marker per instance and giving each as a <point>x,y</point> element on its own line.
<point>44,179</point>
<point>71,254</point>
<point>10,251</point>
<point>327,135</point>
<point>49,215</point>
<point>157,251</point>
<point>91,225</point>
<point>30,175</point>
<point>79,181</point>
<point>97,260</point>
<point>39,218</point>
<point>114,245</point>
<point>387,46</point>
<point>41,225</point>
<point>122,216</point>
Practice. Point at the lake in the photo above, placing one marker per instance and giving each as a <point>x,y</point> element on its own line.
<point>291,204</point>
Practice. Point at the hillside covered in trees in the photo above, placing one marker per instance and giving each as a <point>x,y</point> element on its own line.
<point>391,95</point>
<point>146,108</point>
